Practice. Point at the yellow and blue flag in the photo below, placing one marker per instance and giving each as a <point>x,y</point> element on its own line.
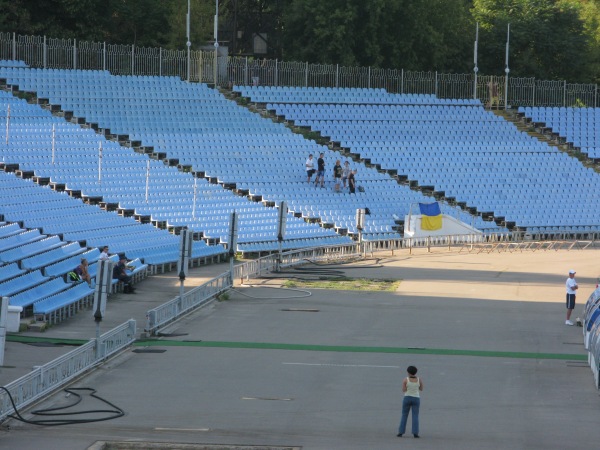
<point>431,216</point>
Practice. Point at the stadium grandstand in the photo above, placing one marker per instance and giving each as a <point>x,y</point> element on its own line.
<point>129,161</point>
<point>94,157</point>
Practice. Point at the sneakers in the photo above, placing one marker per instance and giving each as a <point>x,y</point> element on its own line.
<point>568,322</point>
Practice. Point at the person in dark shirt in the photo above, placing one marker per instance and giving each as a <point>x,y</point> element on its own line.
<point>120,273</point>
<point>337,174</point>
<point>352,182</point>
<point>320,171</point>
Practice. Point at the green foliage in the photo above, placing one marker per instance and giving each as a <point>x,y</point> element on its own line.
<point>15,17</point>
<point>201,23</point>
<point>550,39</point>
<point>547,38</point>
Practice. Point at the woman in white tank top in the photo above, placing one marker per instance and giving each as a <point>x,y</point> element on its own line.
<point>411,386</point>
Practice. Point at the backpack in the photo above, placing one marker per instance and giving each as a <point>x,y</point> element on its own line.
<point>72,276</point>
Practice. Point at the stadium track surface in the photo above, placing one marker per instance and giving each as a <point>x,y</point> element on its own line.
<point>501,370</point>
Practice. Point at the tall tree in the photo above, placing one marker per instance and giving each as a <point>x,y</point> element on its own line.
<point>145,24</point>
<point>14,17</point>
<point>428,35</point>
<point>336,31</point>
<point>201,23</point>
<point>547,38</point>
<point>417,35</point>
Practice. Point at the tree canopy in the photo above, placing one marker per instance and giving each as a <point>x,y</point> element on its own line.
<point>549,39</point>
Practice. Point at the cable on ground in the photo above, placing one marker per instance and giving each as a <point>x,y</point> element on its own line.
<point>112,413</point>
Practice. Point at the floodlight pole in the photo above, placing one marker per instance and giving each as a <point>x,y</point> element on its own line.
<point>506,69</point>
<point>216,36</point>
<point>475,69</point>
<point>188,42</point>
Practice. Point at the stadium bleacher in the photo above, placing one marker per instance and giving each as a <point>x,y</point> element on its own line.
<point>454,146</point>
<point>579,127</point>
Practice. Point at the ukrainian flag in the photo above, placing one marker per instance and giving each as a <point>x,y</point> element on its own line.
<point>431,216</point>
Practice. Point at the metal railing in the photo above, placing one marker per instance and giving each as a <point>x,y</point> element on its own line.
<point>45,379</point>
<point>291,258</point>
<point>168,312</point>
<point>42,52</point>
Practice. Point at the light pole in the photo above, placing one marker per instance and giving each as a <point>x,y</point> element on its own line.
<point>216,36</point>
<point>188,42</point>
<point>506,69</point>
<point>475,68</point>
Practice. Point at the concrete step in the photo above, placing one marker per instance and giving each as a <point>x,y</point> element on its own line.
<point>39,327</point>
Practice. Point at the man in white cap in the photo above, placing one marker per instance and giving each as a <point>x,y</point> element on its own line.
<point>572,287</point>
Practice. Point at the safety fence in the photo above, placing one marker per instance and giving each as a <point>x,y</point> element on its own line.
<point>226,71</point>
<point>43,380</point>
<point>168,312</point>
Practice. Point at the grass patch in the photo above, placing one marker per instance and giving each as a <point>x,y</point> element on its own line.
<point>223,297</point>
<point>346,284</point>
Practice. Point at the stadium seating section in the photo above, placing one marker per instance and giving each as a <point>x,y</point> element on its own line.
<point>126,160</point>
<point>579,127</point>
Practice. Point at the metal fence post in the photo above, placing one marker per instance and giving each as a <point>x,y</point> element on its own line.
<point>14,47</point>
<point>306,75</point>
<point>402,82</point>
<point>45,53</point>
<point>104,55</point>
<point>596,97</point>
<point>160,61</point>
<point>276,74</point>
<point>246,71</point>
<point>533,96</point>
<point>565,93</point>
<point>436,84</point>
<point>132,59</point>
<point>74,54</point>
<point>369,78</point>
<point>337,75</point>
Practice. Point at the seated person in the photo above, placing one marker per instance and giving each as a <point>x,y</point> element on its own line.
<point>83,271</point>
<point>120,273</point>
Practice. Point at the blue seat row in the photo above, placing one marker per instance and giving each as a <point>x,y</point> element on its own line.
<point>30,296</point>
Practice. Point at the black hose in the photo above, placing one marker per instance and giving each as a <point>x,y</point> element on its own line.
<point>113,413</point>
<point>323,271</point>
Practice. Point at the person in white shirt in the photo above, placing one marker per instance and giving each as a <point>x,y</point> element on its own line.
<point>310,167</point>
<point>104,254</point>
<point>346,172</point>
<point>572,287</point>
<point>411,386</point>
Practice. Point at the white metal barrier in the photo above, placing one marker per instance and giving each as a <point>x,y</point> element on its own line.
<point>44,379</point>
<point>168,312</point>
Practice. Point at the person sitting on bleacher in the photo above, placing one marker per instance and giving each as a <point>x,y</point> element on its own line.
<point>120,273</point>
<point>104,254</point>
<point>83,271</point>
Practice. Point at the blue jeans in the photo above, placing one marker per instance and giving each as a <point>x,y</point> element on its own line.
<point>407,404</point>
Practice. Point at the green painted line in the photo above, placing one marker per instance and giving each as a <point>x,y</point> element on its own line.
<point>313,348</point>
<point>354,349</point>
<point>36,339</point>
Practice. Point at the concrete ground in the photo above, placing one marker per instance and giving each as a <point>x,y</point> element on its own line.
<point>322,369</point>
